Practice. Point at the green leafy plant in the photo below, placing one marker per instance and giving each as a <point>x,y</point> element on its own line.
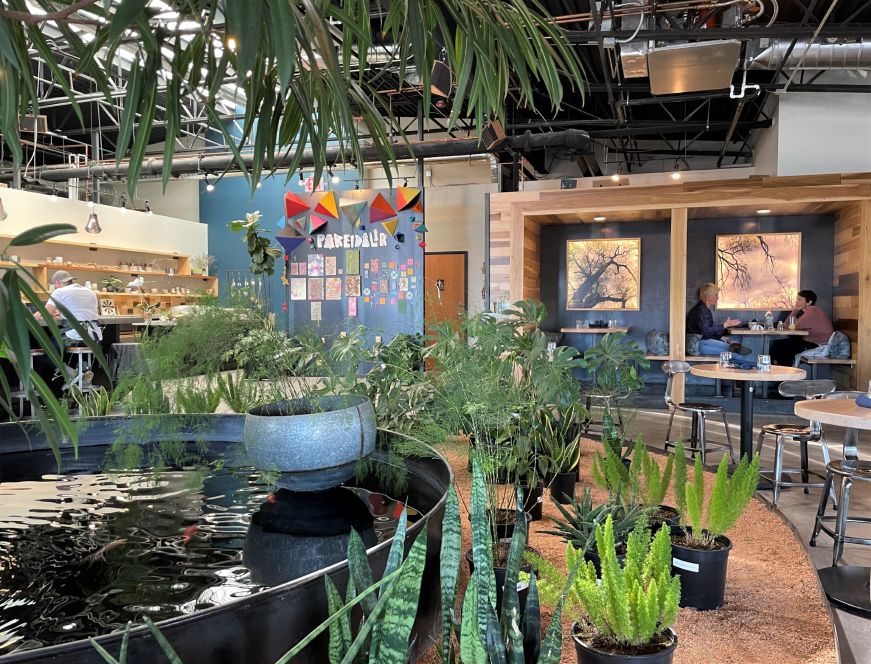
<point>17,325</point>
<point>580,520</point>
<point>201,263</point>
<point>265,352</point>
<point>96,402</point>
<point>239,394</point>
<point>192,399</point>
<point>112,283</point>
<point>614,363</point>
<point>680,476</point>
<point>632,604</point>
<point>262,253</point>
<point>654,480</point>
<point>556,436</point>
<point>728,499</point>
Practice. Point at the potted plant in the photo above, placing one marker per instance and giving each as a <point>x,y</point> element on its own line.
<point>629,611</point>
<point>580,520</point>
<point>653,483</point>
<point>201,263</point>
<point>112,284</point>
<point>262,254</point>
<point>700,547</point>
<point>556,436</point>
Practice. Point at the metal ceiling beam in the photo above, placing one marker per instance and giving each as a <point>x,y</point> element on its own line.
<point>591,37</point>
<point>677,128</point>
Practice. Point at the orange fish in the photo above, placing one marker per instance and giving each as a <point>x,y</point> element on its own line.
<point>189,533</point>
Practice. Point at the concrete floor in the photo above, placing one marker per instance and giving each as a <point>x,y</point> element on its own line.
<point>854,632</point>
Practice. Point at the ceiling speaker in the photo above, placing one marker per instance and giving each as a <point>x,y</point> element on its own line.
<point>493,134</point>
<point>440,79</point>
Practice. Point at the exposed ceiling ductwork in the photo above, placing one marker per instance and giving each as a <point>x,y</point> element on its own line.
<point>574,140</point>
<point>813,56</point>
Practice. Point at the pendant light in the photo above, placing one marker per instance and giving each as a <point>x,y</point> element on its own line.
<point>93,224</point>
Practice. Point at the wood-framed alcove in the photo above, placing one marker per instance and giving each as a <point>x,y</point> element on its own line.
<point>516,219</point>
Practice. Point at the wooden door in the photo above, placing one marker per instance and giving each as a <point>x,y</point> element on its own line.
<point>445,290</point>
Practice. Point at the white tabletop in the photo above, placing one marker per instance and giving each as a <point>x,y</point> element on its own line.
<point>837,412</point>
<point>743,331</point>
<point>777,373</point>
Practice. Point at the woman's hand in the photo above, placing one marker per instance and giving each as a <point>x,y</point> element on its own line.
<point>732,322</point>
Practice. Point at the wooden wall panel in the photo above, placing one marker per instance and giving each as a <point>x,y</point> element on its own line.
<point>863,334</point>
<point>677,287</point>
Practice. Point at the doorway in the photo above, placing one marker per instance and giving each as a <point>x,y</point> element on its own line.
<point>445,287</point>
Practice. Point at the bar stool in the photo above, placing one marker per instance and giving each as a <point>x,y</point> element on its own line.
<point>85,358</point>
<point>698,411</point>
<point>125,356</point>
<point>847,470</point>
<point>796,433</point>
<point>608,402</point>
<point>20,395</point>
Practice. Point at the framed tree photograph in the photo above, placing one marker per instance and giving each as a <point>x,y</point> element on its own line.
<point>603,274</point>
<point>758,271</point>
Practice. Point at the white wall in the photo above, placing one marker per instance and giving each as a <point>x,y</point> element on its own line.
<point>154,232</point>
<point>181,199</point>
<point>455,197</point>
<point>823,133</point>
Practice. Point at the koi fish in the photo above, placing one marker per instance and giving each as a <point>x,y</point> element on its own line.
<point>188,533</point>
<point>100,554</point>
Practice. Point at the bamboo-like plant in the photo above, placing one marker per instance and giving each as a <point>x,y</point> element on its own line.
<point>630,605</point>
<point>654,481</point>
<point>302,69</point>
<point>729,497</point>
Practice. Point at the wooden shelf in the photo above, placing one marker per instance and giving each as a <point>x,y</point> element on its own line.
<point>594,330</point>
<point>93,246</point>
<point>137,296</point>
<point>117,270</point>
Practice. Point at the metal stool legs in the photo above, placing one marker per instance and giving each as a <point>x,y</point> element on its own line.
<point>841,474</point>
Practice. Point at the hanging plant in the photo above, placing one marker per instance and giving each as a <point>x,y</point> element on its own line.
<point>262,253</point>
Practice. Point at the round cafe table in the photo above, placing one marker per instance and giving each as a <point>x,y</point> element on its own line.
<point>746,378</point>
<point>846,585</point>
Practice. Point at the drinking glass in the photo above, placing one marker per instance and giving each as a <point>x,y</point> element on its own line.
<point>763,363</point>
<point>579,323</point>
<point>726,359</point>
<point>792,322</point>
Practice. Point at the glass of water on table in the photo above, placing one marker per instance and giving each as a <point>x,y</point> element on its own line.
<point>725,359</point>
<point>763,363</point>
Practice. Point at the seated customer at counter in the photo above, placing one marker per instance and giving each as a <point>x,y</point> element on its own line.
<point>810,317</point>
<point>700,320</point>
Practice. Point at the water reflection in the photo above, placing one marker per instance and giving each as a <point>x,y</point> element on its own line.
<point>81,555</point>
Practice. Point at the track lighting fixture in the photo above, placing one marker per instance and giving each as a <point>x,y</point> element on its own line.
<point>333,177</point>
<point>675,173</point>
<point>258,185</point>
<point>405,182</point>
<point>53,197</point>
<point>301,179</point>
<point>123,204</point>
<point>209,186</point>
<point>616,176</point>
<point>91,201</point>
<point>357,184</point>
<point>148,208</point>
<point>93,224</point>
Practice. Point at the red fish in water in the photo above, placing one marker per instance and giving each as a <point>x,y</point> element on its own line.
<point>189,533</point>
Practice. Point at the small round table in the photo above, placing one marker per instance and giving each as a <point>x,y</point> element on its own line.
<point>846,585</point>
<point>746,378</point>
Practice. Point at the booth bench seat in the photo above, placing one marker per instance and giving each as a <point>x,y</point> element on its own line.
<point>815,362</point>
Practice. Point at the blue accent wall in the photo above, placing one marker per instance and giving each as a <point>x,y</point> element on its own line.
<point>232,199</point>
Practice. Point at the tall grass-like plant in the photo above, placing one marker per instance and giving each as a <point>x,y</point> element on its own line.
<point>239,394</point>
<point>633,603</point>
<point>680,476</point>
<point>729,497</point>
<point>191,399</point>
<point>653,480</point>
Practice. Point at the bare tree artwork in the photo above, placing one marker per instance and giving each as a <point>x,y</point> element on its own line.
<point>758,271</point>
<point>603,274</point>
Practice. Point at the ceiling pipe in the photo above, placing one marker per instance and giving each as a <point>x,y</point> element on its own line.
<point>572,138</point>
<point>817,56</point>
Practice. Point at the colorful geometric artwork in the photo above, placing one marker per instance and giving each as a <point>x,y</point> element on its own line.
<point>603,274</point>
<point>352,285</point>
<point>334,288</point>
<point>330,263</point>
<point>289,239</point>
<point>315,265</point>
<point>316,289</point>
<point>406,197</point>
<point>390,226</point>
<point>316,311</point>
<point>352,307</point>
<point>294,205</point>
<point>297,288</point>
<point>327,206</point>
<point>379,210</point>
<point>758,271</point>
<point>315,223</point>
<point>352,209</point>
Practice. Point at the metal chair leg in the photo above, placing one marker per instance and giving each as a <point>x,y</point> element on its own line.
<point>778,468</point>
<point>694,434</point>
<point>842,520</point>
<point>702,441</point>
<point>804,462</point>
<point>759,442</point>
<point>728,437</point>
<point>821,510</point>
<point>668,442</point>
<point>824,449</point>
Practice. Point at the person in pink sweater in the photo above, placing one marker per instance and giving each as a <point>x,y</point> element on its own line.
<point>810,317</point>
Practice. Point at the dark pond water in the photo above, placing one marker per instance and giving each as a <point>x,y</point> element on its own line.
<point>80,555</point>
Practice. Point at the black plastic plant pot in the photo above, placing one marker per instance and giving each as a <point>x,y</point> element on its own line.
<point>593,556</point>
<point>665,515</point>
<point>506,519</point>
<point>533,501</point>
<point>589,655</point>
<point>499,573</point>
<point>562,487</point>
<point>702,572</point>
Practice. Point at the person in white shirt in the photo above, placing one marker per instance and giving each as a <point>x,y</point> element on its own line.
<point>80,302</point>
